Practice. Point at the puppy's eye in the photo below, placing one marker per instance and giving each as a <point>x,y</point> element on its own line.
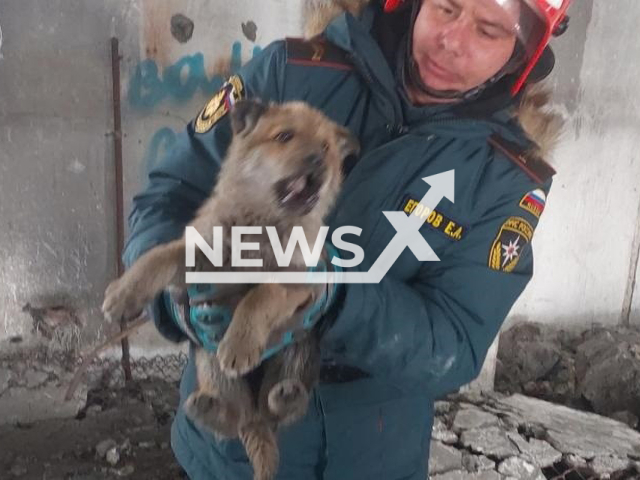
<point>325,147</point>
<point>284,136</point>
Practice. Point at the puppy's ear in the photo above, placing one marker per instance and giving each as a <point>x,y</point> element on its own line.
<point>348,145</point>
<point>245,115</point>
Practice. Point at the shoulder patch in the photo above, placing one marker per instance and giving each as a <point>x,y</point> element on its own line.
<point>511,240</point>
<point>316,52</point>
<point>433,218</point>
<point>534,202</point>
<point>534,166</point>
<point>220,104</point>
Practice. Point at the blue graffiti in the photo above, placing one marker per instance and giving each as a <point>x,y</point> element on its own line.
<point>178,82</point>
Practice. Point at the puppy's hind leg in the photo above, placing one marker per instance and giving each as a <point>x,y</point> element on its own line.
<point>219,404</point>
<point>289,378</point>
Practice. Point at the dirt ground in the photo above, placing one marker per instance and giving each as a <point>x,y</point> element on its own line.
<point>121,433</point>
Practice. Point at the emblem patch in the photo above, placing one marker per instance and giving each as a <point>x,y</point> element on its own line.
<point>435,219</point>
<point>534,202</point>
<point>220,104</point>
<point>513,237</point>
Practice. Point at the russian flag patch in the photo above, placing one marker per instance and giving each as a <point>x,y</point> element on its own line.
<point>534,202</point>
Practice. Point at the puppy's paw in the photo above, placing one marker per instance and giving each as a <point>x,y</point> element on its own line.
<point>212,413</point>
<point>238,355</point>
<point>122,301</point>
<point>288,400</point>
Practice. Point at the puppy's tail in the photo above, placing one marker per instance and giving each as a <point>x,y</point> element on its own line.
<point>262,449</point>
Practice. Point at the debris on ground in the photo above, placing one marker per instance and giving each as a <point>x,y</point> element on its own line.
<point>597,370</point>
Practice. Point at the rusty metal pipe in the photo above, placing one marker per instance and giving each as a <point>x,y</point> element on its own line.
<point>119,193</point>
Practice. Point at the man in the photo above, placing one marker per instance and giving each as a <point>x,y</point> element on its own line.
<point>427,86</point>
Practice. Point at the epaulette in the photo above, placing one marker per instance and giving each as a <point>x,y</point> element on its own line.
<point>317,52</point>
<point>533,165</point>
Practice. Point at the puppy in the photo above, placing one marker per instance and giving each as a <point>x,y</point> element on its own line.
<point>282,169</point>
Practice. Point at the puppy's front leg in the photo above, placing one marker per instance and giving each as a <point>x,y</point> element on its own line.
<point>264,310</point>
<point>153,272</point>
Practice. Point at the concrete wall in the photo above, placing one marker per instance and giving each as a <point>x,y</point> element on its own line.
<point>56,153</point>
<point>587,239</point>
<point>56,156</point>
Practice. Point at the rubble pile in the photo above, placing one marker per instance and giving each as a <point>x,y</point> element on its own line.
<point>492,436</point>
<point>596,370</point>
<point>119,433</point>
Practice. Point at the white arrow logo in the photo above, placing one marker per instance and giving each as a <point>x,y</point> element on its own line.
<point>407,236</point>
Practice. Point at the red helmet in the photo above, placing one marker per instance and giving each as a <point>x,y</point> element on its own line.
<point>539,21</point>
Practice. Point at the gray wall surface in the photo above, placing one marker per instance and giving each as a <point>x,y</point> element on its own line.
<point>57,244</point>
<point>587,239</point>
<point>57,241</point>
<point>55,157</point>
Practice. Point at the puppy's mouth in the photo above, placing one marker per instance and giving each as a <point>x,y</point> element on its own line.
<point>300,193</point>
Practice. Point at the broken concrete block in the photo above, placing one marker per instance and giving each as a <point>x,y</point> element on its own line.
<point>443,458</point>
<point>574,432</point>
<point>536,451</point>
<point>462,475</point>
<point>441,433</point>
<point>477,463</point>
<point>612,384</point>
<point>491,441</point>
<point>93,411</point>
<point>442,407</point>
<point>468,419</point>
<point>594,346</point>
<point>541,453</point>
<point>113,456</point>
<point>104,446</point>
<point>520,468</point>
<point>575,461</point>
<point>519,440</point>
<point>606,465</point>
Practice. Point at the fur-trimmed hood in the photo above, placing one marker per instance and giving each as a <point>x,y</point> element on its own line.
<point>541,125</point>
<point>317,14</point>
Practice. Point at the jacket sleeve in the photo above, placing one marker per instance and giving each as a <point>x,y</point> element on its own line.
<point>437,328</point>
<point>180,182</point>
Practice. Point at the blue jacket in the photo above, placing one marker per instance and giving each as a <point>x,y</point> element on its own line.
<point>425,329</point>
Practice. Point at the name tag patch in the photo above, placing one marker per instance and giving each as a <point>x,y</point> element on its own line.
<point>435,219</point>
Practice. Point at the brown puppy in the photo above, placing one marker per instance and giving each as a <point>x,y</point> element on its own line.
<point>282,169</point>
